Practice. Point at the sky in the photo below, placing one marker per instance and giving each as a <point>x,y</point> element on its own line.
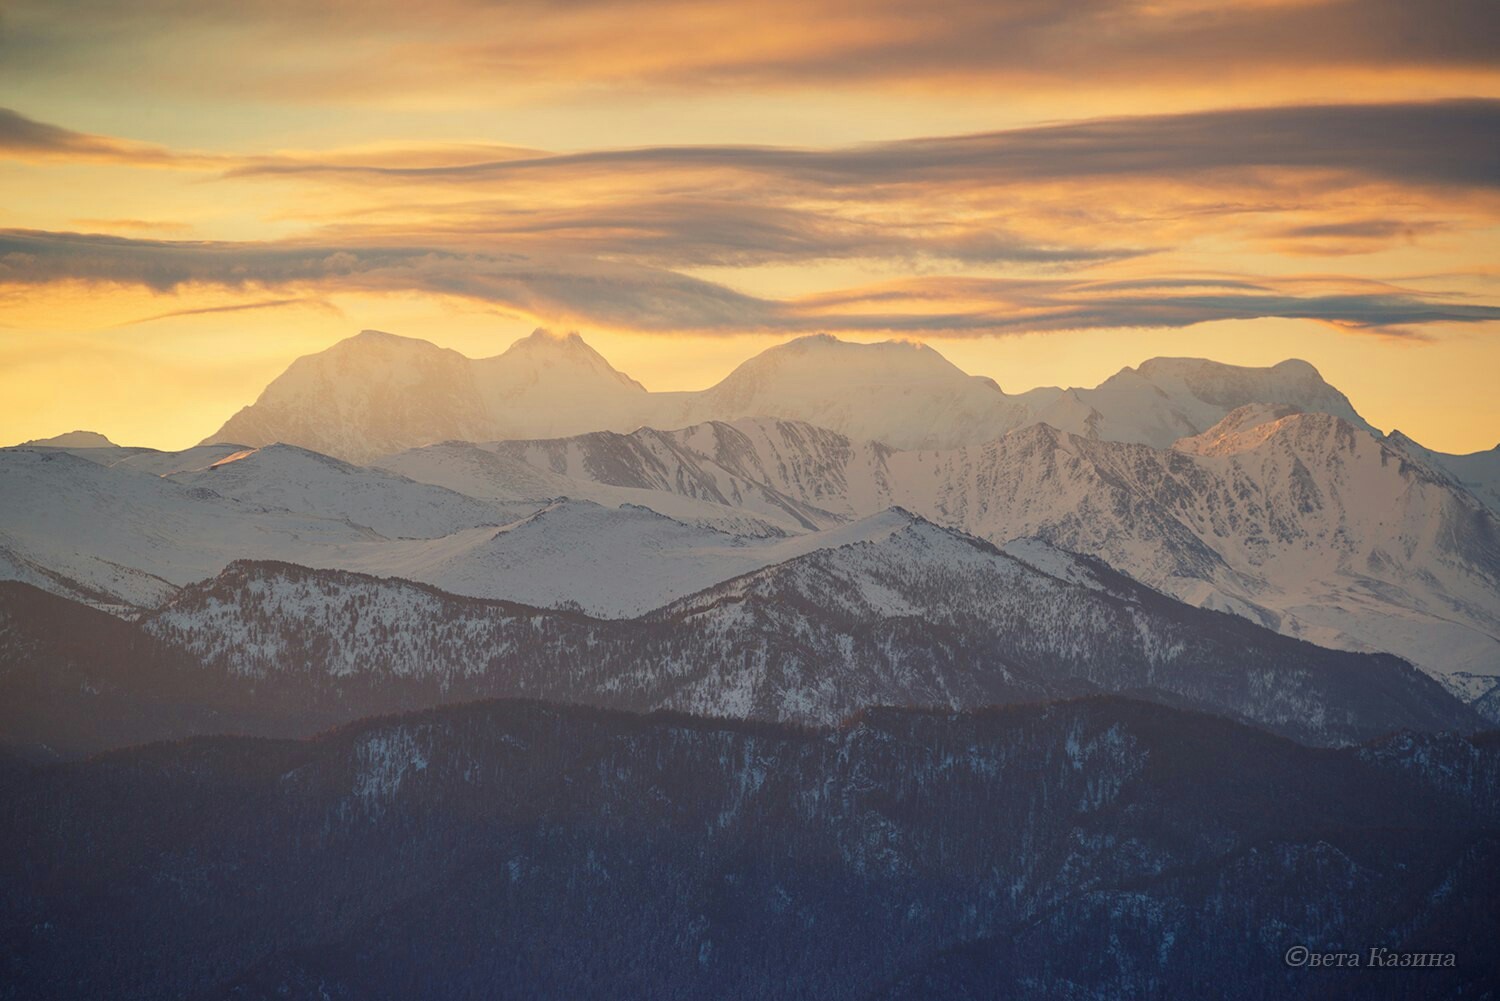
<point>195,193</point>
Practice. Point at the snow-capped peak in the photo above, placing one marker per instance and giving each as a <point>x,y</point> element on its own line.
<point>378,394</point>
<point>565,359</point>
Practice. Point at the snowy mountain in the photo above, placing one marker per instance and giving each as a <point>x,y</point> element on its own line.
<point>1308,524</point>
<point>715,464</point>
<point>121,537</point>
<point>377,394</point>
<point>1170,398</point>
<point>1301,521</point>
<point>907,614</point>
<point>644,468</point>
<point>900,393</point>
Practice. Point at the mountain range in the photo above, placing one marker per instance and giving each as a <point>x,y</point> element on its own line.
<point>1305,521</point>
<point>851,676</point>
<point>378,393</point>
<point>903,612</point>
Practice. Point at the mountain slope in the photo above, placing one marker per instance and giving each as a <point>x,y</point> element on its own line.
<point>74,680</point>
<point>117,535</point>
<point>501,471</point>
<point>1087,843</point>
<point>607,561</point>
<point>1477,472</point>
<point>285,477</point>
<point>1310,525</point>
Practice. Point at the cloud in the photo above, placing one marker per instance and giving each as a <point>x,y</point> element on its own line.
<point>1359,229</point>
<point>617,294</point>
<point>622,296</point>
<point>1055,196</point>
<point>26,138</point>
<point>468,48</point>
<point>1432,143</point>
<point>1348,237</point>
<point>736,230</point>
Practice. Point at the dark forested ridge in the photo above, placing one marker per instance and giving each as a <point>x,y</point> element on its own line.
<point>922,617</point>
<point>1089,849</point>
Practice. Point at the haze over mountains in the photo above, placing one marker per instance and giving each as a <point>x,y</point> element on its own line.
<point>378,393</point>
<point>1258,492</point>
<point>1316,526</point>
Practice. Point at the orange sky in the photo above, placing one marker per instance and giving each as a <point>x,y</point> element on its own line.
<point>197,193</point>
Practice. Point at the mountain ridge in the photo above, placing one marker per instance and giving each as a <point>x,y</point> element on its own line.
<point>1302,521</point>
<point>414,851</point>
<point>376,393</point>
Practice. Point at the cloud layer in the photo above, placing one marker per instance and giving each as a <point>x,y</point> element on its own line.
<point>458,47</point>
<point>613,294</point>
<point>1105,223</point>
<point>1442,143</point>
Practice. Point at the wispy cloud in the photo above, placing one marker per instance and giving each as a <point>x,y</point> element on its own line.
<point>26,138</point>
<point>1444,142</point>
<point>1053,196</point>
<point>654,300</point>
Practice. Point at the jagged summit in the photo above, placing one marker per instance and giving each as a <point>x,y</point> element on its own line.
<point>1235,432</point>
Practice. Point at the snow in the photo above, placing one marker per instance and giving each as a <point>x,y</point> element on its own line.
<point>129,537</point>
<point>377,394</point>
<point>1477,472</point>
<point>610,562</point>
<point>385,758</point>
<point>285,477</point>
<point>1275,502</point>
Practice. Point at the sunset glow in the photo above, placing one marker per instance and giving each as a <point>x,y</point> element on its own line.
<point>196,194</point>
